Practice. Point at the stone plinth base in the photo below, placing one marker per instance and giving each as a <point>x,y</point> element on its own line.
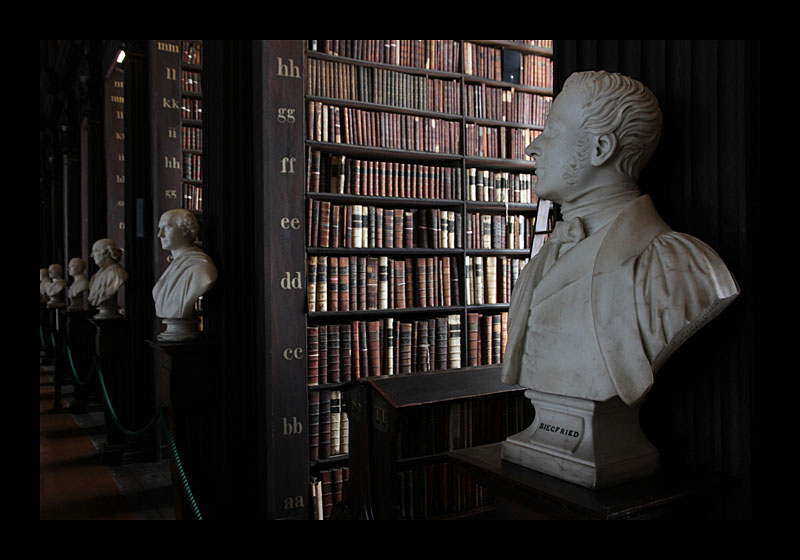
<point>590,443</point>
<point>180,330</point>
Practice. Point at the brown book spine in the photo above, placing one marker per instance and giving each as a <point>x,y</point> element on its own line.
<point>389,362</point>
<point>322,283</point>
<point>333,234</point>
<point>408,229</point>
<point>324,424</point>
<point>446,282</point>
<point>345,354</point>
<point>344,284</point>
<point>313,425</point>
<point>323,354</point>
<point>313,355</point>
<point>441,343</point>
<point>486,342</point>
<point>420,288</point>
<point>333,284</point>
<point>324,223</point>
<point>311,284</point>
<point>372,283</point>
<point>374,347</point>
<point>430,279</point>
<point>496,339</point>
<point>315,224</point>
<point>473,338</point>
<point>400,283</point>
<point>364,344</point>
<point>355,347</point>
<point>405,347</point>
<point>353,282</point>
<point>333,354</point>
<point>362,283</point>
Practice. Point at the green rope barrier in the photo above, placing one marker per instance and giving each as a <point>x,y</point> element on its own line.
<point>159,414</point>
<point>74,372</point>
<point>182,475</point>
<point>113,412</point>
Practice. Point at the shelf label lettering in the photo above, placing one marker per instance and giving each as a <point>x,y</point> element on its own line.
<point>289,283</point>
<point>172,132</point>
<point>292,427</point>
<point>287,163</point>
<point>293,354</point>
<point>171,193</point>
<point>170,73</point>
<point>287,223</point>
<point>173,163</point>
<point>169,103</point>
<point>286,115</point>
<point>167,47</point>
<point>293,503</point>
<point>288,70</point>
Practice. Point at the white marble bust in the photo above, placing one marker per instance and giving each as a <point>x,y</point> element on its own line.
<point>105,283</point>
<point>614,290</point>
<point>44,281</point>
<point>56,287</point>
<point>80,283</point>
<point>190,275</point>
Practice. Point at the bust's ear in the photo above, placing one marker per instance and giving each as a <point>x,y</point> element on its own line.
<point>603,148</point>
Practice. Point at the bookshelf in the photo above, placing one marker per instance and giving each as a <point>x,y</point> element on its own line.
<point>420,213</point>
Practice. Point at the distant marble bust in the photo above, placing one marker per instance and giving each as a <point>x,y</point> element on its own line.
<point>190,275</point>
<point>105,283</point>
<point>56,287</point>
<point>80,283</point>
<point>614,291</point>
<point>44,281</point>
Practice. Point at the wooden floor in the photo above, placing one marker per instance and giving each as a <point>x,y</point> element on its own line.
<point>73,482</point>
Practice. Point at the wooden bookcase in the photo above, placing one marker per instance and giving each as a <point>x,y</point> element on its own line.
<point>422,142</point>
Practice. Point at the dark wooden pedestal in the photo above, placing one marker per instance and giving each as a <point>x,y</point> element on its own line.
<point>133,409</point>
<point>189,389</point>
<point>521,493</point>
<point>79,335</point>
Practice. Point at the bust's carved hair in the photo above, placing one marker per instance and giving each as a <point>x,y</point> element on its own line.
<point>617,104</point>
<point>109,248</point>
<point>186,222</point>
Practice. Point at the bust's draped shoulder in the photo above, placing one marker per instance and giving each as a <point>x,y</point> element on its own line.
<point>680,284</point>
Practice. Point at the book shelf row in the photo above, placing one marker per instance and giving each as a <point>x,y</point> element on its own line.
<point>192,167</point>
<point>327,491</point>
<point>336,173</point>
<point>329,425</point>
<point>509,105</point>
<point>190,81</point>
<point>338,353</point>
<point>382,129</point>
<point>440,55</point>
<point>192,138</point>
<point>327,78</point>
<point>498,231</point>
<point>192,108</point>
<point>192,197</point>
<point>434,490</point>
<point>364,283</point>
<point>192,52</point>
<point>503,142</point>
<point>361,227</point>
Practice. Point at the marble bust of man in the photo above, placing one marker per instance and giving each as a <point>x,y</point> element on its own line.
<point>190,275</point>
<point>56,287</point>
<point>80,283</point>
<point>44,281</point>
<point>614,290</point>
<point>105,283</point>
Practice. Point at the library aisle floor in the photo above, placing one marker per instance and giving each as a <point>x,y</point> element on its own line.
<point>73,482</point>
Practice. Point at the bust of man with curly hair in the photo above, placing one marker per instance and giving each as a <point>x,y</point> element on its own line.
<point>191,272</point>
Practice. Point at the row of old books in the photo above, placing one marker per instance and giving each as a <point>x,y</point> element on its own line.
<point>192,108</point>
<point>537,71</point>
<point>329,425</point>
<point>484,185</point>
<point>347,175</point>
<point>327,78</point>
<point>192,52</point>
<point>436,490</point>
<point>327,490</point>
<point>442,55</point>
<point>367,227</point>
<point>192,197</point>
<point>338,353</point>
<point>446,427</point>
<point>504,142</point>
<point>483,61</point>
<point>539,43</point>
<point>379,129</point>
<point>490,280</point>
<point>486,338</point>
<point>498,231</point>
<point>190,81</point>
<point>363,283</point>
<point>193,167</point>
<point>510,105</point>
<point>192,138</point>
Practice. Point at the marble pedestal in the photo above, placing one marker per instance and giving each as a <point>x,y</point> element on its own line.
<point>590,443</point>
<point>180,330</point>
